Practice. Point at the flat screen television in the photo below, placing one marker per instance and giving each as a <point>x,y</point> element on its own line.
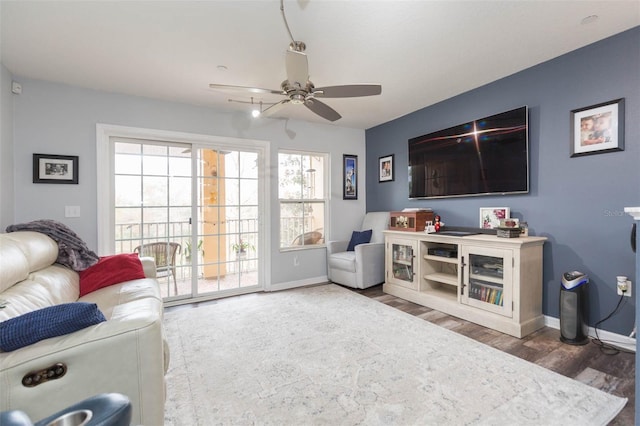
<point>481,157</point>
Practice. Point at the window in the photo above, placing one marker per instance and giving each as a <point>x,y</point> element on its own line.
<point>303,197</point>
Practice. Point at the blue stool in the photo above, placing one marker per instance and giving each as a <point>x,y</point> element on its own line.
<point>107,409</point>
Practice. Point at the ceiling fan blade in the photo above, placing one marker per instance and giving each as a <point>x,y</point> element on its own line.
<point>297,68</point>
<point>225,87</point>
<point>322,109</point>
<point>273,109</point>
<point>348,91</point>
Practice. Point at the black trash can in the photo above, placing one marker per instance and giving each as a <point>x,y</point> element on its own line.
<point>574,327</point>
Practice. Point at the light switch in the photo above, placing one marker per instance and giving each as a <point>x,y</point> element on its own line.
<point>71,211</point>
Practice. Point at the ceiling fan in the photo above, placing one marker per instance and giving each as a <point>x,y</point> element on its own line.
<point>299,90</point>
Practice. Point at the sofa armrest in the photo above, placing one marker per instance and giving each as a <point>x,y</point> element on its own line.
<point>149,266</point>
<point>124,355</point>
<point>336,246</point>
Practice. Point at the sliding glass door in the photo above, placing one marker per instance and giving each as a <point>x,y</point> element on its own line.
<point>227,236</point>
<point>194,209</point>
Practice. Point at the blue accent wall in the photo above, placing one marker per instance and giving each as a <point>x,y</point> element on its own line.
<point>577,203</point>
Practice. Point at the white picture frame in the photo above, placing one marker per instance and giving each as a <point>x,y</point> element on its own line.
<point>490,216</point>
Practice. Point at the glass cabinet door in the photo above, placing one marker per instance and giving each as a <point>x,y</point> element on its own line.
<point>401,266</point>
<point>487,279</point>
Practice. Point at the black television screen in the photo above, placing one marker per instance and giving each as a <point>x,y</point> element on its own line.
<point>482,157</point>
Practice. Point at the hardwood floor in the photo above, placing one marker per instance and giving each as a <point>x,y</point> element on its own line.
<point>614,374</point>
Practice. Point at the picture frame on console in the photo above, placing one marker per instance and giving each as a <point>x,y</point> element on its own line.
<point>490,216</point>
<point>597,129</point>
<point>349,177</point>
<point>49,168</point>
<point>386,172</point>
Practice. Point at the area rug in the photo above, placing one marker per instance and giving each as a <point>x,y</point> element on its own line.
<point>327,356</point>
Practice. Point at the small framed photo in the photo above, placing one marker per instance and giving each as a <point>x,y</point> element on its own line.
<point>350,177</point>
<point>598,128</point>
<point>490,216</point>
<point>385,168</point>
<point>49,168</point>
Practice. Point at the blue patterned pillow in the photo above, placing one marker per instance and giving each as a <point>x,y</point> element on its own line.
<point>359,237</point>
<point>49,322</point>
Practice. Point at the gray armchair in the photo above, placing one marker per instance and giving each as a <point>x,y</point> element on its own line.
<point>364,266</point>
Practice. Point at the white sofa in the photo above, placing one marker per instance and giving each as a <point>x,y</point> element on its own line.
<point>125,354</point>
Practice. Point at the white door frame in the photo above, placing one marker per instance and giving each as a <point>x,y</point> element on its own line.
<point>105,182</point>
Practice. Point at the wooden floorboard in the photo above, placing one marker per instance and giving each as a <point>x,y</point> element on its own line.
<point>614,374</point>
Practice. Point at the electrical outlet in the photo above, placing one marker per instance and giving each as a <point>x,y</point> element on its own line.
<point>623,286</point>
<point>71,211</point>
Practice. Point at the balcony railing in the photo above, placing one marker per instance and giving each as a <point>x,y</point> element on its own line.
<point>230,268</point>
<point>130,235</point>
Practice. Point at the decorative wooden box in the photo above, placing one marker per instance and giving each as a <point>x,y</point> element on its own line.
<point>410,221</point>
<point>508,232</point>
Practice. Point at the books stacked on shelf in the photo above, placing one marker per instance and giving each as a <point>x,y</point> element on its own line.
<point>492,295</point>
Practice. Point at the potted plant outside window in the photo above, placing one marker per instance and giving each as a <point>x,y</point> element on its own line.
<point>241,247</point>
<point>188,252</point>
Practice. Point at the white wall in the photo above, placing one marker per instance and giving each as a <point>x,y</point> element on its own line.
<point>52,118</point>
<point>6,149</point>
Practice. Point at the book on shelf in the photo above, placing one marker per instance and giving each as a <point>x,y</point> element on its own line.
<point>486,294</point>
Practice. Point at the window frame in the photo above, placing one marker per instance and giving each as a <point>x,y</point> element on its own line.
<point>325,199</point>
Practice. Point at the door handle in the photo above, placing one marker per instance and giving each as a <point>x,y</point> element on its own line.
<point>462,285</point>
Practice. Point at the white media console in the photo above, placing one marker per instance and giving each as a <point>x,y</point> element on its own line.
<point>491,281</point>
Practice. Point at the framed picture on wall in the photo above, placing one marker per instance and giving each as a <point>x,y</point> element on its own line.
<point>598,128</point>
<point>350,177</point>
<point>49,168</point>
<point>490,216</point>
<point>385,168</point>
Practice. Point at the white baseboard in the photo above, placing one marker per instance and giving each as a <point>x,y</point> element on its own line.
<point>613,339</point>
<point>299,283</point>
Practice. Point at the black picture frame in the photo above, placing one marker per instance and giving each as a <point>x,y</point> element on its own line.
<point>349,177</point>
<point>597,129</point>
<point>386,171</point>
<point>50,168</point>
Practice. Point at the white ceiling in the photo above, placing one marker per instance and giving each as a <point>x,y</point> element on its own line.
<point>421,52</point>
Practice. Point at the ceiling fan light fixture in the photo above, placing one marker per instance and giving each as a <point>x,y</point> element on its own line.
<point>255,110</point>
<point>297,98</point>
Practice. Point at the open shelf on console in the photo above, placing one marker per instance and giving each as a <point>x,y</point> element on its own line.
<point>443,277</point>
<point>439,266</point>
<point>443,291</point>
<point>441,258</point>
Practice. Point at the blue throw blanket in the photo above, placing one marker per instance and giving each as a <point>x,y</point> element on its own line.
<point>72,250</point>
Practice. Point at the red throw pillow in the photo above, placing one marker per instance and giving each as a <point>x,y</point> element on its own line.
<point>110,270</point>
